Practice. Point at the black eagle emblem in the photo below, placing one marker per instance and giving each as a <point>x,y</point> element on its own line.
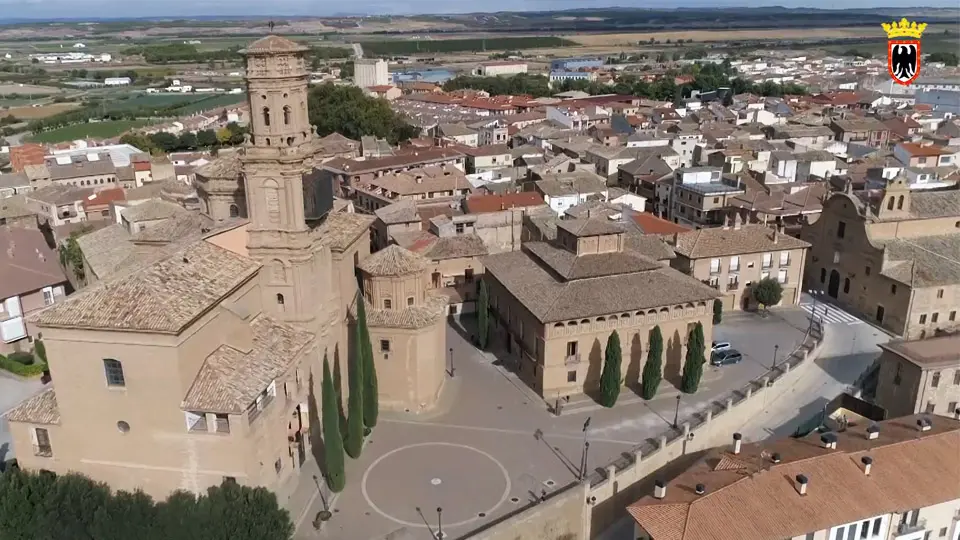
<point>903,60</point>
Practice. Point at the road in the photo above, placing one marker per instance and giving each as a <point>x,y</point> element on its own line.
<point>357,50</point>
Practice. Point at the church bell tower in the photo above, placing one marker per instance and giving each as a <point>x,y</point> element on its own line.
<point>274,163</point>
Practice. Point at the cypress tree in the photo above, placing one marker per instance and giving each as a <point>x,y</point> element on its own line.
<point>354,438</point>
<point>717,311</point>
<point>652,369</point>
<point>332,438</point>
<point>371,401</point>
<point>483,315</point>
<point>610,378</point>
<point>693,366</point>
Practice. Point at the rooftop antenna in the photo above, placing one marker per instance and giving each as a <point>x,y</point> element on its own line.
<point>271,24</point>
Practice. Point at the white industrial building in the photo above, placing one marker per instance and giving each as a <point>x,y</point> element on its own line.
<point>370,72</point>
<point>493,69</point>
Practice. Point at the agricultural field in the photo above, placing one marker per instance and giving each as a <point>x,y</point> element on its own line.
<point>27,89</point>
<point>97,130</point>
<point>43,111</point>
<point>210,102</point>
<point>403,47</point>
<point>593,40</point>
<point>138,101</point>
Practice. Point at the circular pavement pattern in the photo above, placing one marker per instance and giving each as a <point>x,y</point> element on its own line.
<point>471,483</point>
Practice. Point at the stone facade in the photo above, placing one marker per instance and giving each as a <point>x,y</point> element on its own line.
<point>202,361</point>
<point>920,377</point>
<point>890,255</point>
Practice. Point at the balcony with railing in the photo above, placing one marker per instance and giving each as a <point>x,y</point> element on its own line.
<point>909,531</point>
<point>258,406</point>
<point>571,359</point>
<point>43,450</point>
<point>733,285</point>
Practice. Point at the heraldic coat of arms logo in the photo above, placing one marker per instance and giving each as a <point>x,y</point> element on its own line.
<point>903,50</point>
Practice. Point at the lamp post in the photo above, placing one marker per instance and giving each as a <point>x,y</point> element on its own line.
<point>439,522</point>
<point>452,369</point>
<point>776,349</point>
<point>583,454</point>
<point>676,414</point>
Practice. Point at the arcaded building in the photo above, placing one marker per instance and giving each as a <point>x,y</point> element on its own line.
<point>202,360</point>
<point>556,304</point>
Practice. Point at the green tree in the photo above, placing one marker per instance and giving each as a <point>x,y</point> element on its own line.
<point>348,111</point>
<point>353,443</point>
<point>371,399</point>
<point>717,311</point>
<point>693,366</point>
<point>334,469</point>
<point>138,141</point>
<point>188,141</point>
<point>207,138</point>
<point>610,377</point>
<point>767,292</point>
<point>652,369</point>
<point>483,315</point>
<point>40,350</point>
<point>168,142</point>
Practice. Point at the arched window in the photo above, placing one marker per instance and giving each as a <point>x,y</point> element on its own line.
<point>846,285</point>
<point>286,115</point>
<point>900,203</point>
<point>267,140</point>
<point>290,141</point>
<point>266,116</point>
<point>279,299</point>
<point>234,210</point>
<point>113,370</point>
<point>279,271</point>
<point>890,204</point>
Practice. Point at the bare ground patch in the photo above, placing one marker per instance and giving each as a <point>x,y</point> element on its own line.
<point>43,111</point>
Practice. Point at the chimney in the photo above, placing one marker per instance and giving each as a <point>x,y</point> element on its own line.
<point>867,463</point>
<point>775,457</point>
<point>829,441</point>
<point>659,489</point>
<point>701,489</point>
<point>802,484</point>
<point>924,424</point>
<point>737,222</point>
<point>776,235</point>
<point>726,223</point>
<point>736,443</point>
<point>873,432</point>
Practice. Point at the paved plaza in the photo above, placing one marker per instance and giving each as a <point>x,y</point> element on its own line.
<point>493,445</point>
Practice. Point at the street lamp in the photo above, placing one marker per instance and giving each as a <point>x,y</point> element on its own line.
<point>776,348</point>
<point>676,414</point>
<point>452,369</point>
<point>439,522</point>
<point>583,454</point>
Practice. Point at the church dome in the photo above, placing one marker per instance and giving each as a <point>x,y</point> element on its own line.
<point>393,261</point>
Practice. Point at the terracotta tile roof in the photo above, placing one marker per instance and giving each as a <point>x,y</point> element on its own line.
<point>152,210</point>
<point>341,229</point>
<point>590,226</point>
<point>923,261</point>
<point>651,224</point>
<point>393,260</point>
<point>230,379</point>
<point>720,242</point>
<point>226,165</point>
<point>432,310</point>
<point>928,353</point>
<point>918,150</point>
<point>455,247</point>
<point>404,211</point>
<point>481,204</point>
<point>39,409</point>
<point>550,299</point>
<point>163,298</point>
<point>759,500</point>
<point>273,44</point>
<point>104,197</point>
<point>571,266</point>
<point>27,263</point>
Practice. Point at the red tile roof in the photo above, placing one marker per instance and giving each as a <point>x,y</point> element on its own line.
<point>919,150</point>
<point>480,204</point>
<point>104,197</point>
<point>651,224</point>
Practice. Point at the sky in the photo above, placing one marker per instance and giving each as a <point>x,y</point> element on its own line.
<point>48,9</point>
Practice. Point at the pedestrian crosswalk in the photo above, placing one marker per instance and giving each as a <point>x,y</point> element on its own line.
<point>830,314</point>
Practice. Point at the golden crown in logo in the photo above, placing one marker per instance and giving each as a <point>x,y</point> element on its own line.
<point>904,28</point>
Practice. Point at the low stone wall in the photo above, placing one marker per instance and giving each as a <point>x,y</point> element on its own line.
<point>562,516</point>
<point>624,480</point>
<point>580,511</point>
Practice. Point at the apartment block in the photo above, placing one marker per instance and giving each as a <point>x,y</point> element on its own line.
<point>920,376</point>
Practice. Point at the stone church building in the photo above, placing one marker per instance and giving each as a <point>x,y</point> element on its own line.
<point>205,363</point>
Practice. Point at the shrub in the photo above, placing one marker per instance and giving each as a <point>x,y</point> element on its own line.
<point>40,350</point>
<point>23,370</point>
<point>21,357</point>
<point>717,311</point>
